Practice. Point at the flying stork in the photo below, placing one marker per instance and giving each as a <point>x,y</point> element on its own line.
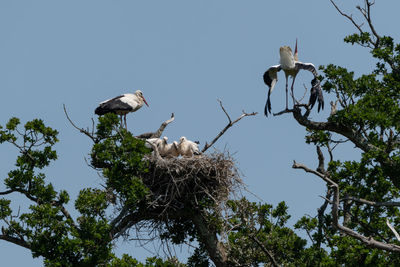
<point>291,66</point>
<point>122,105</point>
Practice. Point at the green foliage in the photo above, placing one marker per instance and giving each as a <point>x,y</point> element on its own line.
<point>369,112</point>
<point>128,261</point>
<point>91,202</point>
<point>47,228</point>
<point>251,221</point>
<point>120,158</point>
<point>243,232</point>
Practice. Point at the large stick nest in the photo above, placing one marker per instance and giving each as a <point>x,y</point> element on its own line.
<point>176,182</point>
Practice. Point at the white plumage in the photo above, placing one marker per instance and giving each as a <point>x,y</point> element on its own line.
<point>122,104</point>
<point>168,150</point>
<point>188,148</point>
<point>291,66</point>
<point>154,141</point>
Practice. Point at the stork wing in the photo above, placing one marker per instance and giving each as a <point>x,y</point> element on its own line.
<point>316,93</point>
<point>115,105</point>
<point>316,90</point>
<point>270,79</point>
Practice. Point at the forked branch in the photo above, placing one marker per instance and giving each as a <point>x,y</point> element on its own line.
<point>229,125</point>
<point>86,132</point>
<point>160,130</point>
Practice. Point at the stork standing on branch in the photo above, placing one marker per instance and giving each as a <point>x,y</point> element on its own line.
<point>122,105</point>
<point>291,66</point>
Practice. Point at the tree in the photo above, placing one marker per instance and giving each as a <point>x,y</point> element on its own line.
<point>359,229</point>
<point>193,199</point>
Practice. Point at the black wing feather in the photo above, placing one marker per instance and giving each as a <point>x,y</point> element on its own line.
<point>316,90</point>
<point>270,78</point>
<point>113,105</point>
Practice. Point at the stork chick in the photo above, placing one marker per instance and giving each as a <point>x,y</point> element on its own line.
<point>188,148</point>
<point>168,150</point>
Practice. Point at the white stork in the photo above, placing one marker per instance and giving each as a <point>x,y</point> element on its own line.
<point>122,105</point>
<point>153,142</point>
<point>168,150</point>
<point>291,66</point>
<point>188,148</point>
<point>173,149</point>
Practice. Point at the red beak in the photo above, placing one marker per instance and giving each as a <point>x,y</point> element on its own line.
<point>145,101</point>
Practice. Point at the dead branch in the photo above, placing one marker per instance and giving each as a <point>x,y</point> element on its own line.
<point>91,136</point>
<point>349,17</point>
<point>229,125</point>
<point>366,13</point>
<point>396,234</point>
<point>160,130</point>
<point>368,241</point>
<point>372,203</point>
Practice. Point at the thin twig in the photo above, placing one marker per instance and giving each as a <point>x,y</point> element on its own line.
<point>229,125</point>
<point>95,140</point>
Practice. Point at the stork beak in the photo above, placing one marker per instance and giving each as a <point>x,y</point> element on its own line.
<point>145,101</point>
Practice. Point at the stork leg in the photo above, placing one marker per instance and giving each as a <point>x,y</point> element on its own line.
<point>120,116</point>
<point>287,104</point>
<point>126,125</point>
<point>291,89</point>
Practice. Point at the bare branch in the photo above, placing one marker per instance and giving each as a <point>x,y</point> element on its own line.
<point>7,192</point>
<point>321,160</point>
<point>160,130</point>
<point>226,113</point>
<point>373,203</point>
<point>95,140</point>
<point>17,241</point>
<point>396,234</point>
<point>229,125</point>
<point>366,12</point>
<point>283,112</point>
<point>349,17</point>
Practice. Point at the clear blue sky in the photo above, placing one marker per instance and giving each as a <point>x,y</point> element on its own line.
<point>183,55</point>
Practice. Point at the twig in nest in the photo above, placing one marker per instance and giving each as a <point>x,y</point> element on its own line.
<point>229,125</point>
